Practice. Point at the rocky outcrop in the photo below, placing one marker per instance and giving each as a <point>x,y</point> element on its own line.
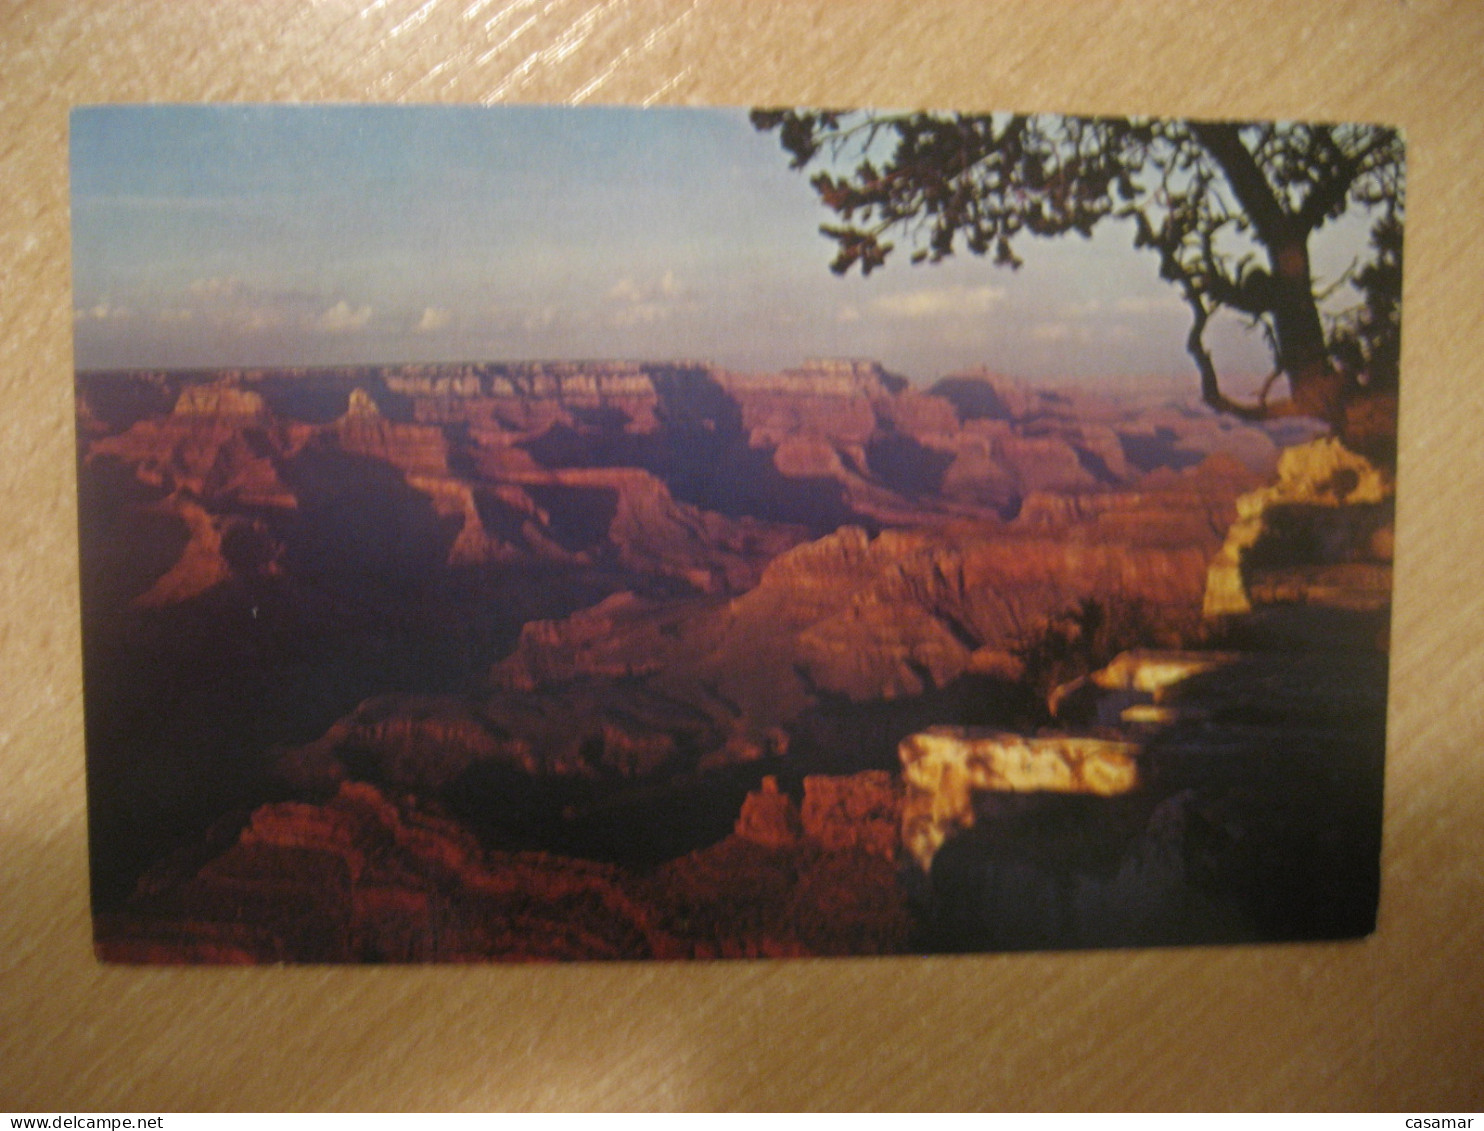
<point>364,879</point>
<point>829,441</point>
<point>980,394</point>
<point>586,729</point>
<point>410,743</point>
<point>794,880</point>
<point>769,817</point>
<point>453,499</point>
<point>201,564</point>
<point>1236,796</point>
<point>852,813</point>
<point>222,399</point>
<point>1133,688</point>
<point>580,383</point>
<point>464,385</point>
<point>1255,811</point>
<point>226,461</point>
<point>653,533</point>
<point>945,767</point>
<point>1320,535</point>
<point>869,619</point>
<point>741,899</point>
<point>621,637</point>
<point>414,449</point>
<point>907,611</point>
<point>833,378</point>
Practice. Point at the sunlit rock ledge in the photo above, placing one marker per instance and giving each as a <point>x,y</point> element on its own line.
<point>943,767</point>
<point>1315,514</point>
<point>1132,688</point>
<point>222,399</point>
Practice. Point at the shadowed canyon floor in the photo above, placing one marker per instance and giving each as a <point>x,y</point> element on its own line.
<point>614,660</point>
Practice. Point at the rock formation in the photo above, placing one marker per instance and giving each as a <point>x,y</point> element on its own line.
<point>1227,794</point>
<point>1244,786</point>
<point>223,400</point>
<point>769,818</point>
<point>943,768</point>
<point>513,658</point>
<point>363,879</point>
<point>852,813</point>
<point>1320,534</point>
<point>201,564</point>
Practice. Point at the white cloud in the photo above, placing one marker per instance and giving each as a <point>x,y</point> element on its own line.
<point>236,306</point>
<point>434,318</point>
<point>643,304</point>
<point>626,290</point>
<point>1052,332</point>
<point>342,318</point>
<point>100,312</point>
<point>105,310</point>
<point>939,302</point>
<point>847,314</point>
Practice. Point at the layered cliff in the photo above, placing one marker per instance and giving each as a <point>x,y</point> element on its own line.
<point>608,659</point>
<point>1220,796</point>
<point>1321,535</point>
<point>1224,794</point>
<point>363,877</point>
<point>679,459</point>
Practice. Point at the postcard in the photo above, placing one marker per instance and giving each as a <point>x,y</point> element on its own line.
<point>545,533</point>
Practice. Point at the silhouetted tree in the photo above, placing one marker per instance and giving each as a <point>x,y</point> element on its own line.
<point>1228,207</point>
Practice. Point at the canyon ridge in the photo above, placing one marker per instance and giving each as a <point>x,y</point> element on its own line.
<point>580,660</point>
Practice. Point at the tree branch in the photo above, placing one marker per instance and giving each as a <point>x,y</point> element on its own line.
<point>1211,393</point>
<point>1328,194</point>
<point>1223,142</point>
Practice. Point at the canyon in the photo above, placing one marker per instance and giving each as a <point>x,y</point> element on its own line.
<point>569,660</point>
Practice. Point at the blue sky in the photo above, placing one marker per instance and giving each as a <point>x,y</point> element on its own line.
<point>256,235</point>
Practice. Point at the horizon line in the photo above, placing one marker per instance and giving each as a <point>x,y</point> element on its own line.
<point>704,363</point>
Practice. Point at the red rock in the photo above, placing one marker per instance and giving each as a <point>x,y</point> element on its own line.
<point>861,812</point>
<point>362,879</point>
<point>746,626</point>
<point>769,818</point>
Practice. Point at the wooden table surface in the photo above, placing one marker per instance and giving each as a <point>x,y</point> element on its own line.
<point>1395,1022</point>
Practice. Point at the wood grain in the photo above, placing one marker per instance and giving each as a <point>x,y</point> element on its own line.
<point>1395,1022</point>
